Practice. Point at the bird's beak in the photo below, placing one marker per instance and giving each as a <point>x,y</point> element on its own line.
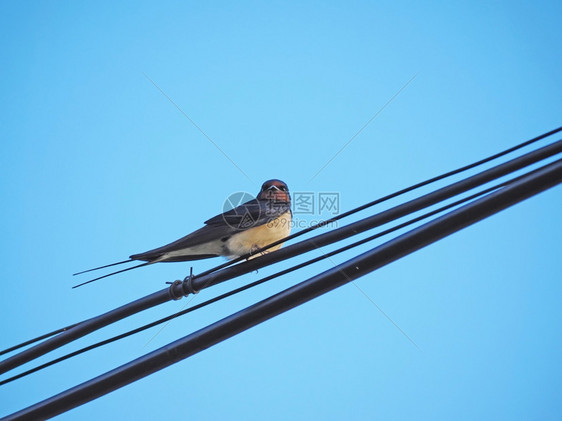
<point>275,193</point>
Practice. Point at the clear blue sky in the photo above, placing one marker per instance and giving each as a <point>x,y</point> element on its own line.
<point>96,164</point>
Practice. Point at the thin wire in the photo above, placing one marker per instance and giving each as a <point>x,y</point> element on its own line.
<point>256,283</point>
<point>362,128</point>
<point>163,327</point>
<point>383,313</point>
<point>197,127</point>
<point>31,341</point>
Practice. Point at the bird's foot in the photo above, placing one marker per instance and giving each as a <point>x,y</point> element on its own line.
<point>254,252</point>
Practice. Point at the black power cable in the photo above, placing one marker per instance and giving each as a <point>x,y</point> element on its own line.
<point>199,282</point>
<point>529,185</point>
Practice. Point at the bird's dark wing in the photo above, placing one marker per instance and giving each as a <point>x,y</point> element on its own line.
<point>221,227</point>
<point>250,214</point>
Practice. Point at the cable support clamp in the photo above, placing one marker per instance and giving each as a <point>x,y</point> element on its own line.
<point>188,284</point>
<point>174,290</point>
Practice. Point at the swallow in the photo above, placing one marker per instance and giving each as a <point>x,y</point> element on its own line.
<point>237,232</point>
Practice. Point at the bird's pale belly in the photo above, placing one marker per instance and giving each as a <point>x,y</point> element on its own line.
<point>254,238</point>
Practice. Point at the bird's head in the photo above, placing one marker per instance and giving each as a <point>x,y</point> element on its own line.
<point>275,190</point>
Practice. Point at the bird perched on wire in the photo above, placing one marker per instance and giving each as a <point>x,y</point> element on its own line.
<point>237,232</point>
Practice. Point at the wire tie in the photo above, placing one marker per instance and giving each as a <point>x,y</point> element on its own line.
<point>172,290</point>
<point>188,283</point>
